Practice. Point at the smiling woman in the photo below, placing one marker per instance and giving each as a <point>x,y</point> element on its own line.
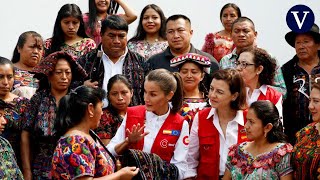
<point>69,33</point>
<point>150,36</point>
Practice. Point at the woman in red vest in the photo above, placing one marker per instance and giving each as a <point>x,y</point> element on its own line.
<point>216,129</point>
<point>157,127</point>
<point>257,69</point>
<point>267,156</point>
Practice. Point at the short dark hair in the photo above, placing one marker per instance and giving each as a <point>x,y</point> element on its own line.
<point>114,22</point>
<point>178,16</point>
<point>73,106</point>
<point>267,112</point>
<point>263,58</point>
<point>243,19</point>
<point>236,85</point>
<point>234,6</point>
<point>141,33</point>
<point>22,40</point>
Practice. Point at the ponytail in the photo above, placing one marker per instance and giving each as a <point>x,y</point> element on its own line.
<point>73,107</point>
<point>178,94</point>
<point>63,118</point>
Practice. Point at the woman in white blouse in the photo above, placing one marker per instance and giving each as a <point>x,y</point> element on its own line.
<point>216,129</point>
<point>157,127</point>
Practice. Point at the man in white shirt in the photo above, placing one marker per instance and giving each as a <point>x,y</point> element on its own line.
<point>113,57</point>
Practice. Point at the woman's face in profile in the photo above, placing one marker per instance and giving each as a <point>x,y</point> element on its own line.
<point>314,104</point>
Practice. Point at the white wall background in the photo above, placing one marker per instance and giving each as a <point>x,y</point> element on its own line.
<point>268,15</point>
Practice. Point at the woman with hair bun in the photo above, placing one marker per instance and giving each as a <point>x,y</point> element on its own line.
<point>155,130</point>
<point>267,156</point>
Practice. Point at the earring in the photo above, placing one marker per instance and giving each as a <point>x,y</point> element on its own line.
<point>265,134</point>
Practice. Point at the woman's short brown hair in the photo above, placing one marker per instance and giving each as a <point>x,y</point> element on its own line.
<point>236,85</point>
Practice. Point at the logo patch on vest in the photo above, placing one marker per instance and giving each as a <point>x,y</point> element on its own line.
<point>171,132</point>
<point>185,140</point>
<point>164,143</point>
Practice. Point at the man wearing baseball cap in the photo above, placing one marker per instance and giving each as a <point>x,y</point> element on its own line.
<point>299,74</point>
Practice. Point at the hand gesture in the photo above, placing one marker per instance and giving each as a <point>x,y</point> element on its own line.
<point>136,133</point>
<point>128,172</point>
<point>89,83</point>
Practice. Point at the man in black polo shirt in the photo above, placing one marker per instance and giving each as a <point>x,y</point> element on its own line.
<point>179,33</point>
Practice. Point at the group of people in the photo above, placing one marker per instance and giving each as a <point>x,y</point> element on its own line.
<point>88,103</point>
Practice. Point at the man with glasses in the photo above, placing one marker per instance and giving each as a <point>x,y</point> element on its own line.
<point>244,35</point>
<point>179,33</point>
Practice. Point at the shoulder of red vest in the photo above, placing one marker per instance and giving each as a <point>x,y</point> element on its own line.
<point>139,111</point>
<point>204,113</point>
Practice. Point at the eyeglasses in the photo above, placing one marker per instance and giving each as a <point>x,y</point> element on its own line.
<point>243,65</point>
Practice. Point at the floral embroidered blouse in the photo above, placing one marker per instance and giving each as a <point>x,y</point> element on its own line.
<point>95,34</point>
<point>272,165</point>
<point>190,107</point>
<point>40,116</point>
<point>77,49</point>
<point>217,45</point>
<point>108,125</point>
<point>25,84</point>
<point>146,49</point>
<point>15,120</point>
<point>9,168</point>
<point>306,153</point>
<point>76,156</point>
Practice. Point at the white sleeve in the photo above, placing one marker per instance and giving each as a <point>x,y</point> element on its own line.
<point>119,137</point>
<point>193,153</point>
<point>181,150</point>
<point>279,107</point>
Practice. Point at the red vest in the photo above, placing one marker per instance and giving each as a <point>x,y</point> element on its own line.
<point>209,146</point>
<point>167,136</point>
<point>271,95</point>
